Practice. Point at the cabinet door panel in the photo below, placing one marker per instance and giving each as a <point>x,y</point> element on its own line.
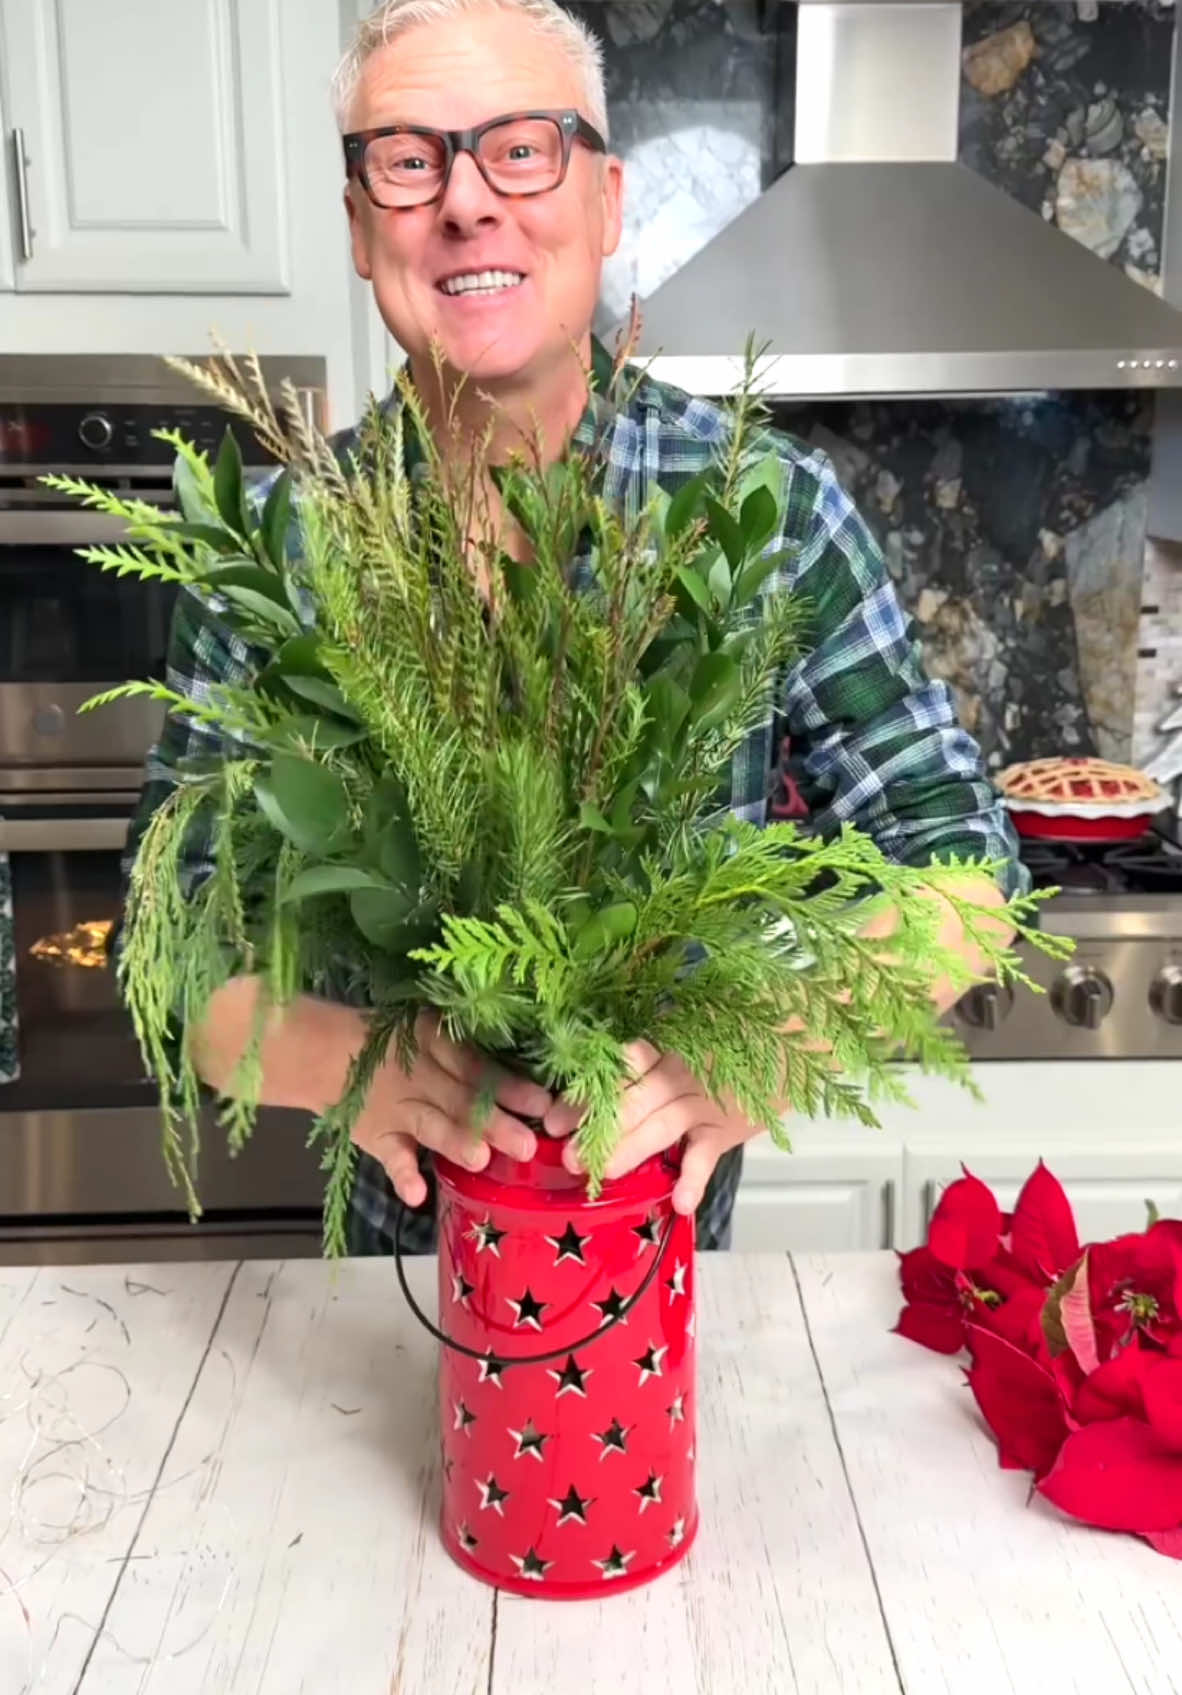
<point>155,143</point>
<point>818,1217</point>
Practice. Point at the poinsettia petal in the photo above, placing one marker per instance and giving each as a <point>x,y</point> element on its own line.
<point>1044,1240</point>
<point>925,1278</point>
<point>1113,1390</point>
<point>1118,1476</point>
<point>1018,1319</point>
<point>931,1327</point>
<point>1020,1402</point>
<point>965,1225</point>
<point>1162,1390</point>
<point>1168,1542</point>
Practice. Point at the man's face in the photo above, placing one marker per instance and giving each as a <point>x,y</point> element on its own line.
<point>452,75</point>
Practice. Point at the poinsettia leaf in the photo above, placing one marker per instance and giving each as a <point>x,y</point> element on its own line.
<point>1044,1240</point>
<point>306,803</point>
<point>1118,1476</point>
<point>331,880</point>
<point>276,517</point>
<point>1019,1400</point>
<point>1067,1316</point>
<point>228,485</point>
<point>965,1225</point>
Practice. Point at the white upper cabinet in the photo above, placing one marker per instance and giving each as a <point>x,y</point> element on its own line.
<point>153,146</point>
<point>6,189</point>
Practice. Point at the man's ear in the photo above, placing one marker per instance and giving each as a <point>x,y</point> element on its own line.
<point>612,189</point>
<point>359,233</point>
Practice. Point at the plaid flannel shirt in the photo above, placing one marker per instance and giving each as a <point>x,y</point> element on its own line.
<point>875,741</point>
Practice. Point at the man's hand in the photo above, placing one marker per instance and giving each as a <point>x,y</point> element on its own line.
<point>433,1106</point>
<point>663,1104</point>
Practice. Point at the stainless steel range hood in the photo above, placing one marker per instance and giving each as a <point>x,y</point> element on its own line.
<point>878,265</point>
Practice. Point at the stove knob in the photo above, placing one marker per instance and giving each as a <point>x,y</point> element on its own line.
<point>1082,997</point>
<point>1165,994</point>
<point>986,1005</point>
<point>96,431</point>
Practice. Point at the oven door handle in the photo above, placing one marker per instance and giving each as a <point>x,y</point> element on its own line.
<point>64,835</point>
<point>51,526</point>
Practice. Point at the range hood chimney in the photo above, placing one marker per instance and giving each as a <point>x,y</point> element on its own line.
<point>878,265</point>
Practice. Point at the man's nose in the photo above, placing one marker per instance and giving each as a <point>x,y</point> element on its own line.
<point>468,200</point>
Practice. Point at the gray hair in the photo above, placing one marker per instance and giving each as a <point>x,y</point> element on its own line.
<point>395,17</point>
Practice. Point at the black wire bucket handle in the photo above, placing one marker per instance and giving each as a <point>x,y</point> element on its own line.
<point>487,1354</point>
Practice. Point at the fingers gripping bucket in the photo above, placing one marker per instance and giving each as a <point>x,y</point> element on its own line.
<point>566,1377</point>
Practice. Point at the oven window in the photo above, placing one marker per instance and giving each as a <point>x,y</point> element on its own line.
<point>61,618</point>
<point>76,1044</point>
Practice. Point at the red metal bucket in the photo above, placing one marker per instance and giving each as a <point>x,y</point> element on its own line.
<point>568,1465</point>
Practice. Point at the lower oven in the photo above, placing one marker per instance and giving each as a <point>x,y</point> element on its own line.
<point>82,1175</point>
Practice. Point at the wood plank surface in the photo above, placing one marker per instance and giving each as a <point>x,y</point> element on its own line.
<point>776,1595</point>
<point>981,1592</point>
<point>96,1365</point>
<point>300,1550</point>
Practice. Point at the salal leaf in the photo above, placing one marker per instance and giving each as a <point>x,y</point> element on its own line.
<point>275,519</point>
<point>758,516</point>
<point>331,880</point>
<point>726,532</point>
<point>753,576</point>
<point>262,609</point>
<point>187,489</point>
<point>668,704</point>
<point>719,582</point>
<point>388,837</point>
<point>213,535</point>
<point>686,504</point>
<point>321,693</point>
<point>695,587</point>
<point>714,688</point>
<point>228,485</point>
<point>381,914</point>
<point>309,730</point>
<point>241,574</point>
<point>306,803</point>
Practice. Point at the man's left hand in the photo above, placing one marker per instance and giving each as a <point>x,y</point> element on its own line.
<point>662,1105</point>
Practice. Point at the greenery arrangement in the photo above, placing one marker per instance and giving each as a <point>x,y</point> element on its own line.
<point>493,789</point>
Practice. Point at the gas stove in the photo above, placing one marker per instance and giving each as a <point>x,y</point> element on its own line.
<point>1120,995</point>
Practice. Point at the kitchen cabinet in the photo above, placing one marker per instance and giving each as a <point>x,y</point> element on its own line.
<point>154,145</point>
<point>838,1189</point>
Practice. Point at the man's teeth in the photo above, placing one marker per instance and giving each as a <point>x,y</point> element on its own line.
<point>482,282</point>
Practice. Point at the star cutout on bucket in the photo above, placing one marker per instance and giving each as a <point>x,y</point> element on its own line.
<point>614,1439</point>
<point>572,1506</point>
<point>467,1540</point>
<point>649,1491</point>
<point>676,1283</point>
<point>676,1411</point>
<point>677,1533</point>
<point>650,1363</point>
<point>530,1440</point>
<point>613,1307</point>
<point>649,1233</point>
<point>568,1246</point>
<point>487,1235</point>
<point>572,1377</point>
<point>529,1310</point>
<point>490,1369</point>
<point>461,1289</point>
<point>492,1495</point>
<point>464,1418</point>
<point>616,1563</point>
<point>531,1565</point>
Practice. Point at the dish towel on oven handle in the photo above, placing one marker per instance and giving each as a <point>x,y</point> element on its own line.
<point>9,1062</point>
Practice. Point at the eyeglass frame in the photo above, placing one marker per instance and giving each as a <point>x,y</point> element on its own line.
<point>572,126</point>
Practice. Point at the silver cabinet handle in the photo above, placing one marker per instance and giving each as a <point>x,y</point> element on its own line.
<point>64,835</point>
<point>22,194</point>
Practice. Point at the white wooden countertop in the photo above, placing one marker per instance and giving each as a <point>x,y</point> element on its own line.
<point>221,1478</point>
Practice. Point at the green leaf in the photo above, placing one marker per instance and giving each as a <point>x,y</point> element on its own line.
<point>757,520</point>
<point>719,582</point>
<point>685,504</point>
<point>241,574</point>
<point>726,531</point>
<point>1152,1215</point>
<point>714,687</point>
<point>388,837</point>
<point>263,608</point>
<point>228,487</point>
<point>276,516</point>
<point>668,704</point>
<point>756,574</point>
<point>382,914</point>
<point>310,730</point>
<point>520,580</point>
<point>213,535</point>
<point>188,493</point>
<point>322,694</point>
<point>591,818</point>
<point>605,929</point>
<point>695,587</point>
<point>767,473</point>
<point>298,657</point>
<point>331,880</point>
<point>306,803</point>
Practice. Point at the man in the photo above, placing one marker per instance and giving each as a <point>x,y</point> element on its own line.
<point>483,232</point>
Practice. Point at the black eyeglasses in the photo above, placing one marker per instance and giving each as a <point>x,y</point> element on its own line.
<point>520,154</point>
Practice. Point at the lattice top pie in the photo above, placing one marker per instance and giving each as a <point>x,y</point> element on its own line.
<point>1096,784</point>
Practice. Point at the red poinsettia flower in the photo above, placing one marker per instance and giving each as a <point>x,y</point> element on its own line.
<point>1043,1238</point>
<point>1021,1401</point>
<point>949,1281</point>
<point>1135,1288</point>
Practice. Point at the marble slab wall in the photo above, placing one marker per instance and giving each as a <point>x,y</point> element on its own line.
<point>1066,107</point>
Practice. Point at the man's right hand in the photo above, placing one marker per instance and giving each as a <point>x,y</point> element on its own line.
<point>433,1106</point>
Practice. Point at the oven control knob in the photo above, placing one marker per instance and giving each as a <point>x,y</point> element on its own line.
<point>986,1005</point>
<point>1082,997</point>
<point>96,431</point>
<point>1165,994</point>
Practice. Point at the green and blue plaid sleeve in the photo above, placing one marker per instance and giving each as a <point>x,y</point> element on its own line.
<point>878,740</point>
